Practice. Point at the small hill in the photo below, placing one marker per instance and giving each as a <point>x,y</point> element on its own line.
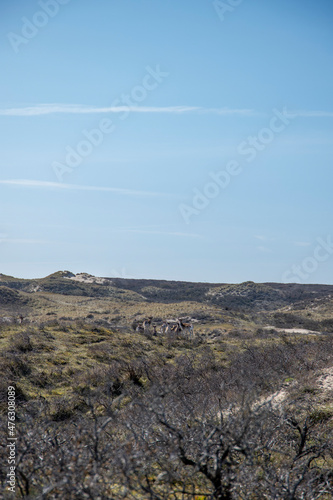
<point>67,283</point>
<point>11,298</point>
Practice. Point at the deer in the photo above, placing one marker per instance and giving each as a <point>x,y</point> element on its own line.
<point>170,326</point>
<point>139,329</point>
<point>177,326</point>
<point>185,328</point>
<point>164,328</point>
<point>146,325</point>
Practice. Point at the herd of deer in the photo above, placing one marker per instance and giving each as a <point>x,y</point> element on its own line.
<point>177,327</point>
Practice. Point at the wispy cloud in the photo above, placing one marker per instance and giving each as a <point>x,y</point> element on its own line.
<point>78,109</point>
<point>311,114</point>
<point>165,233</point>
<point>47,109</point>
<point>264,249</point>
<point>264,238</point>
<point>302,243</point>
<point>23,241</point>
<point>27,183</point>
<point>261,237</point>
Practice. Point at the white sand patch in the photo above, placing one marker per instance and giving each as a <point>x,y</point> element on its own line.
<point>303,331</point>
<point>298,330</point>
<point>89,278</point>
<point>34,288</point>
<point>274,399</point>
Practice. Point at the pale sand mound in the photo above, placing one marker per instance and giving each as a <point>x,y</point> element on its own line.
<point>326,379</point>
<point>274,399</point>
<point>88,278</point>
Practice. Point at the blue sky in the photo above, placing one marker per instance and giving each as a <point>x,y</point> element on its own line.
<point>152,97</point>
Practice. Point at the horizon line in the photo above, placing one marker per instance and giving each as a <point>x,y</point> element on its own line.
<point>177,280</point>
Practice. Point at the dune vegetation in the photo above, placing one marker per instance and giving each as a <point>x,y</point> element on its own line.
<point>240,410</point>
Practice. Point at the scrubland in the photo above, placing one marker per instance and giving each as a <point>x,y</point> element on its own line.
<point>243,410</point>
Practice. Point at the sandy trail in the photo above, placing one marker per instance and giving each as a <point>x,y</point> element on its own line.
<point>324,382</point>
